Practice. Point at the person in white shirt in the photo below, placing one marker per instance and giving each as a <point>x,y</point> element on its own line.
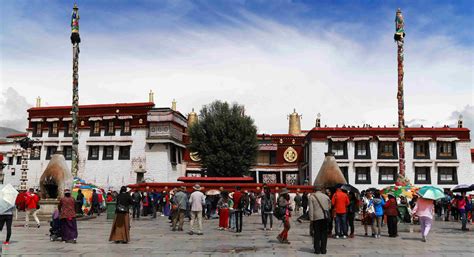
<point>196,200</point>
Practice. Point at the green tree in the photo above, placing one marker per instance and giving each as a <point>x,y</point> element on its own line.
<point>225,139</point>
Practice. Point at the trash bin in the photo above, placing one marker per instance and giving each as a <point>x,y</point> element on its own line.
<point>111,210</point>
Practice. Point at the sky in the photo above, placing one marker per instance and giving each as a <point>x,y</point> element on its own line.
<point>336,58</point>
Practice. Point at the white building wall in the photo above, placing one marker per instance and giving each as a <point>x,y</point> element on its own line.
<point>159,167</point>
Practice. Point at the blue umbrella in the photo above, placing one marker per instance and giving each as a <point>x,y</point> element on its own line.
<point>431,192</point>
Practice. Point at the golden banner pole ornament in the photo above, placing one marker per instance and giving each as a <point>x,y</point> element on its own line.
<point>75,40</point>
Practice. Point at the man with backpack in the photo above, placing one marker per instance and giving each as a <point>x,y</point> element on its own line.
<point>319,206</point>
<point>239,206</point>
<point>268,206</point>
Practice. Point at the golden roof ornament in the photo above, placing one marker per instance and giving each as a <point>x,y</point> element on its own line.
<point>294,127</point>
<point>192,118</point>
<point>173,105</point>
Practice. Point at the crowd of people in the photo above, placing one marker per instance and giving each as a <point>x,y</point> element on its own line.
<point>332,212</point>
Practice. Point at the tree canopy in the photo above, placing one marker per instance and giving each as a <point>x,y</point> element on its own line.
<point>225,139</point>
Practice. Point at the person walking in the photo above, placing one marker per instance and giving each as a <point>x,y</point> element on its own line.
<point>154,203</point>
<point>298,202</point>
<point>32,207</point>
<point>120,232</point>
<point>352,209</point>
<point>223,205</point>
<point>391,211</point>
<point>377,202</point>
<point>331,218</point>
<point>79,202</point>
<point>340,201</point>
<point>368,213</point>
<point>319,213</point>
<point>197,200</point>
<point>462,203</point>
<point>239,205</point>
<point>6,218</point>
<point>137,199</point>
<point>180,199</point>
<point>67,215</point>
<point>424,209</point>
<point>95,204</point>
<point>268,206</point>
<point>304,204</point>
<point>284,205</point>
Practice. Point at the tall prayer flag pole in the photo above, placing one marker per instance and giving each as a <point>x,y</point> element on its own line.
<point>75,40</point>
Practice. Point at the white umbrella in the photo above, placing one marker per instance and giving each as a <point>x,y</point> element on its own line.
<point>213,192</point>
<point>7,197</point>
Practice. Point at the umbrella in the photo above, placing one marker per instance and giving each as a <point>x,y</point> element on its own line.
<point>431,192</point>
<point>7,197</point>
<point>348,188</point>
<point>463,188</point>
<point>397,191</point>
<point>213,192</point>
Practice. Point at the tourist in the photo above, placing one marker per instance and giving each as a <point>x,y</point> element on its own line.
<point>95,203</point>
<point>197,200</point>
<point>79,202</point>
<point>146,204</point>
<point>166,199</point>
<point>109,197</point>
<point>67,215</point>
<point>424,209</point>
<point>284,205</point>
<point>268,206</point>
<point>378,202</point>
<point>454,207</point>
<point>340,202</point>
<point>446,202</point>
<point>6,218</point>
<point>404,210</point>
<point>462,202</point>
<point>120,232</point>
<point>319,213</point>
<point>330,220</point>
<point>352,209</point>
<point>20,203</point>
<point>155,197</point>
<point>239,206</point>
<point>32,207</point>
<point>180,199</point>
<point>304,204</point>
<point>137,199</point>
<point>391,211</point>
<point>223,205</point>
<point>368,213</point>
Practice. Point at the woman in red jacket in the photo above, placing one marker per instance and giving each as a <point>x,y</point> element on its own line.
<point>391,210</point>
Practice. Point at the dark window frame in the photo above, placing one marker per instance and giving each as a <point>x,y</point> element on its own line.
<point>122,130</point>
<point>50,152</point>
<point>444,182</point>
<point>50,129</point>
<point>10,160</point>
<point>122,155</point>
<point>427,150</point>
<point>65,152</point>
<point>68,130</point>
<point>394,150</point>
<point>367,154</point>
<point>273,157</point>
<point>34,157</point>
<point>367,171</point>
<point>90,156</point>
<point>93,127</point>
<point>37,133</point>
<point>453,151</point>
<point>344,149</point>
<point>394,173</point>
<point>18,160</point>
<point>107,128</point>
<point>104,153</point>
<point>426,170</point>
<point>173,158</point>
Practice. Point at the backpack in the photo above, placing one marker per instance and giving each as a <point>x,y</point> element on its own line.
<point>280,212</point>
<point>243,203</point>
<point>267,205</point>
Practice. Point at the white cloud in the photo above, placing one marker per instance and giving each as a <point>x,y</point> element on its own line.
<point>13,108</point>
<point>269,67</point>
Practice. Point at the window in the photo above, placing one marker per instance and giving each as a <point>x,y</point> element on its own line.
<point>108,152</point>
<point>37,130</point>
<point>35,153</point>
<point>18,160</point>
<point>339,149</point>
<point>53,129</point>
<point>69,129</point>
<point>110,128</point>
<point>263,157</point>
<point>422,175</point>
<point>173,154</point>
<point>50,150</point>
<point>67,151</point>
<point>446,150</point>
<point>180,157</point>
<point>388,150</point>
<point>447,175</point>
<point>273,156</point>
<point>362,175</point>
<point>387,175</point>
<point>124,153</point>
<point>422,150</point>
<point>95,129</point>
<point>93,152</point>
<point>10,160</point>
<point>126,131</point>
<point>345,172</point>
<point>362,150</point>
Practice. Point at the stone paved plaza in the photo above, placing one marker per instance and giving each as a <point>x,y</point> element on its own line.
<point>154,238</point>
